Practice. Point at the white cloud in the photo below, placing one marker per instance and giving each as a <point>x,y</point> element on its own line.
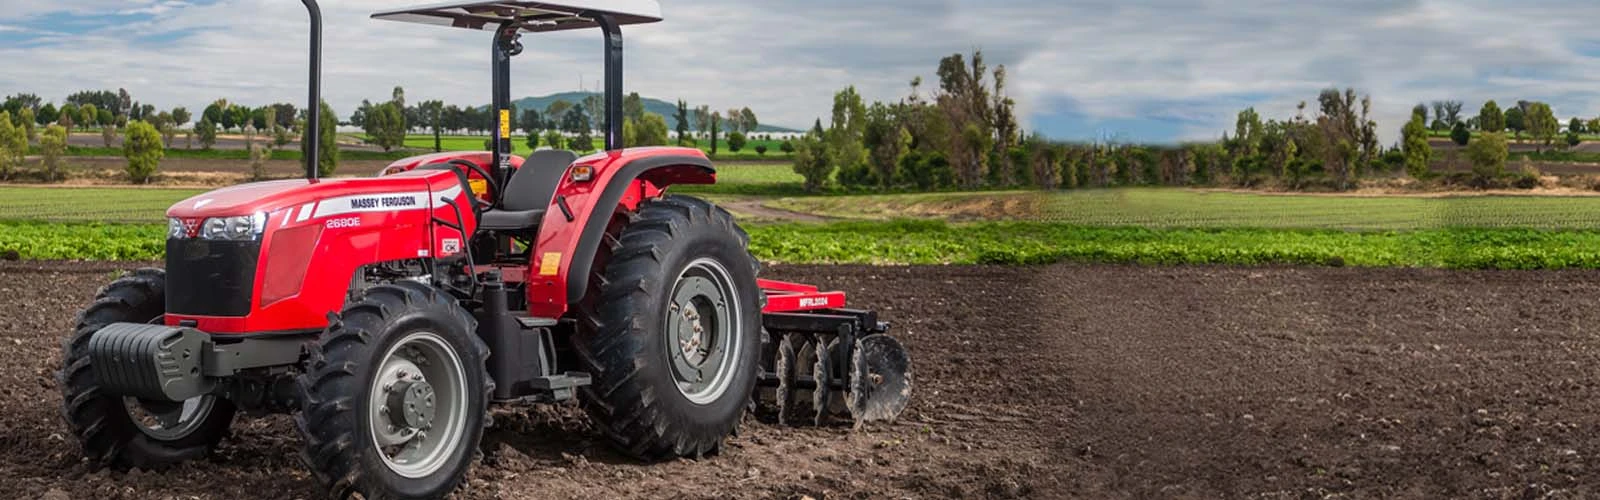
<point>1190,62</point>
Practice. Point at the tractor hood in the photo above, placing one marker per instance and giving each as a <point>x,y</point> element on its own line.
<point>272,196</point>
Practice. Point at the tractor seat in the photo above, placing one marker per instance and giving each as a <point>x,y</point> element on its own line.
<point>527,196</point>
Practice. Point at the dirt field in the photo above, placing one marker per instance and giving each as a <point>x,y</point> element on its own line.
<point>1066,381</point>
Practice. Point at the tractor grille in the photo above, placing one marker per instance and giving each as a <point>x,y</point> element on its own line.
<point>211,278</point>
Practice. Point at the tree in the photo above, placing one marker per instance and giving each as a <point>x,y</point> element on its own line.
<point>163,123</point>
<point>651,131</point>
<point>1488,155</point>
<point>716,124</point>
<point>761,149</point>
<point>787,147</point>
<point>11,150</point>
<point>886,141</point>
<point>181,116</point>
<point>554,139</point>
<point>259,156</point>
<point>1542,123</point>
<point>1516,121</point>
<point>811,162</point>
<point>583,142</point>
<point>69,115</point>
<point>1575,126</point>
<point>227,119</point>
<point>16,103</point>
<point>108,133</point>
<point>1593,125</point>
<point>385,126</point>
<point>530,121</point>
<point>1460,134</point>
<point>207,132</point>
<point>596,106</point>
<point>143,149</point>
<point>25,119</point>
<point>259,119</point>
<point>1573,139</point>
<point>1490,119</point>
<point>214,112</point>
<point>47,114</point>
<point>1414,143</point>
<point>702,119</point>
<point>432,113</point>
<point>682,116</point>
<point>104,118</point>
<point>53,145</point>
<point>633,107</point>
<point>327,142</point>
<point>748,119</point>
<point>736,141</point>
<point>557,111</point>
<point>87,114</point>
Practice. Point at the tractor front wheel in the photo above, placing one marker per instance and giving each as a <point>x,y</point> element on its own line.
<point>671,331</point>
<point>394,396</point>
<point>127,432</point>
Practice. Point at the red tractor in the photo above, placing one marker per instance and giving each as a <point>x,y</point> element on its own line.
<point>388,313</point>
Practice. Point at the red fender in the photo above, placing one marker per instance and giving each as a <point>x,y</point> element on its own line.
<point>580,212</point>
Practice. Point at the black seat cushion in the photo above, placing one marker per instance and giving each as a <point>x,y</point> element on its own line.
<point>534,183</point>
<point>511,220</point>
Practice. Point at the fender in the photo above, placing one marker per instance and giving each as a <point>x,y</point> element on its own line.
<point>578,217</point>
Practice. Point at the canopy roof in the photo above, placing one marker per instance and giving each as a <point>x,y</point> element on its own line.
<point>537,16</point>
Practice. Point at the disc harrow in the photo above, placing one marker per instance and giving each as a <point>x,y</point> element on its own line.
<point>826,364</point>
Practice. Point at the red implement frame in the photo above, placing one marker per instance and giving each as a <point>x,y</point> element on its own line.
<point>783,296</point>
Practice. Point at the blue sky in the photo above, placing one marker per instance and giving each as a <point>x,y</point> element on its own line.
<point>1157,70</point>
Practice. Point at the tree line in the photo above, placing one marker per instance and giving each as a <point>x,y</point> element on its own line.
<point>561,124</point>
<point>143,131</point>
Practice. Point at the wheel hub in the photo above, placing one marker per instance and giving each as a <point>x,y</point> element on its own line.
<point>411,405</point>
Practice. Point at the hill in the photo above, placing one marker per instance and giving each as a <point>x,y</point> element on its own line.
<point>657,106</point>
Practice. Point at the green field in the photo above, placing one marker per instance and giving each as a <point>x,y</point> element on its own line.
<point>1149,226</point>
<point>1148,208</point>
<point>932,242</point>
<point>63,204</point>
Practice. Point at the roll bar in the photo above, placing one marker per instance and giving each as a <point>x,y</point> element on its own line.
<point>314,111</point>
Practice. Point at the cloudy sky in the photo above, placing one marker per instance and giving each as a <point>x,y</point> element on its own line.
<point>1160,70</point>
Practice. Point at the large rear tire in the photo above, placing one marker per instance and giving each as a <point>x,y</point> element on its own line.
<point>123,432</point>
<point>394,397</point>
<point>671,331</point>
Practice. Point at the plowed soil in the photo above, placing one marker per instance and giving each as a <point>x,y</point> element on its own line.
<point>1064,381</point>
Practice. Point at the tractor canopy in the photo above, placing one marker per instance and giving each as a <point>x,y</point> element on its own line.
<point>541,16</point>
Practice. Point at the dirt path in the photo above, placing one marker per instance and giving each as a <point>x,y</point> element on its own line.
<point>1054,382</point>
<point>755,209</point>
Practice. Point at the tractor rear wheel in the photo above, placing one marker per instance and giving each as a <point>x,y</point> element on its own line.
<point>671,332</point>
<point>126,432</point>
<point>394,396</point>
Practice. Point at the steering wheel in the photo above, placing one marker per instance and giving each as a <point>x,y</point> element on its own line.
<point>494,186</point>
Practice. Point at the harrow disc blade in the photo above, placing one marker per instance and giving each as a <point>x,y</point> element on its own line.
<point>785,368</point>
<point>880,379</point>
<point>822,371</point>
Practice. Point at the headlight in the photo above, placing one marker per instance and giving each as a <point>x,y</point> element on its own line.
<point>240,228</point>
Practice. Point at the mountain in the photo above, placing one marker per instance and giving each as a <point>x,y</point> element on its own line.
<point>657,106</point>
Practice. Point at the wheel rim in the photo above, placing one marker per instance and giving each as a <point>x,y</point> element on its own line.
<point>169,421</point>
<point>417,404</point>
<point>703,333</point>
